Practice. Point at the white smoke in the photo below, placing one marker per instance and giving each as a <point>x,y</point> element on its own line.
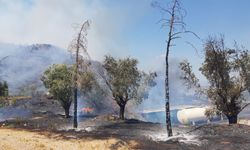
<point>179,94</point>
<point>25,64</point>
<point>53,21</point>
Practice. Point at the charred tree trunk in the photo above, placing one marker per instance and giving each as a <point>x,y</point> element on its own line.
<point>167,107</point>
<point>167,97</point>
<point>233,119</point>
<point>76,79</point>
<point>79,45</point>
<point>75,108</point>
<point>75,91</point>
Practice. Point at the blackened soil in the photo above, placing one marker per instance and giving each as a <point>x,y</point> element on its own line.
<point>210,137</point>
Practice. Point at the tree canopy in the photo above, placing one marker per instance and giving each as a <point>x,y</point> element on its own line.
<point>58,80</point>
<point>125,80</point>
<point>227,71</point>
<point>4,89</point>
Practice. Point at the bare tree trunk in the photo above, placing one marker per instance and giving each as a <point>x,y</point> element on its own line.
<point>75,108</point>
<point>167,107</point>
<point>167,98</point>
<point>176,28</point>
<point>77,45</point>
<point>75,80</point>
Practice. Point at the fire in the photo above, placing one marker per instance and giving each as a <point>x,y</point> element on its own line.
<point>87,110</point>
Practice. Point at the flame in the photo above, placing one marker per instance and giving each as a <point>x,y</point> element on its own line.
<point>87,110</point>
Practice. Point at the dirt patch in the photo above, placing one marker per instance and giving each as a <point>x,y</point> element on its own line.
<point>12,139</point>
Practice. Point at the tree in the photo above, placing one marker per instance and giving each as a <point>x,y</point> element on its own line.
<point>5,89</point>
<point>1,89</point>
<point>227,71</point>
<point>176,26</point>
<point>124,81</point>
<point>78,48</point>
<point>58,80</point>
<point>244,63</point>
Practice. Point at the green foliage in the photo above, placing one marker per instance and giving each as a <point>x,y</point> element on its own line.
<point>227,71</point>
<point>147,81</point>
<point>86,81</point>
<point>58,80</point>
<point>2,101</point>
<point>4,89</point>
<point>242,64</point>
<point>189,78</point>
<point>124,78</point>
<point>126,81</point>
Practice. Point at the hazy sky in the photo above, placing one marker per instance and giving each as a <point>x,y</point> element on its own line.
<point>122,28</point>
<point>127,28</point>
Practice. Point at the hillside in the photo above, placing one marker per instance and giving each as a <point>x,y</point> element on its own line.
<point>22,65</point>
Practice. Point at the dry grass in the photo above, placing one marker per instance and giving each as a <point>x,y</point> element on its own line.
<point>11,139</point>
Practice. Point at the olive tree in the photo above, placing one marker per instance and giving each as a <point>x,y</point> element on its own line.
<point>58,80</point>
<point>125,81</point>
<point>228,73</point>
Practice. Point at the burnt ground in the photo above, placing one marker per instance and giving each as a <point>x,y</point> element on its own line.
<point>148,135</point>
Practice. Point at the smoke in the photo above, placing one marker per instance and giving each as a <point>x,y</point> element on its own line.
<point>24,65</point>
<point>191,139</point>
<point>54,22</point>
<point>100,96</point>
<point>179,94</point>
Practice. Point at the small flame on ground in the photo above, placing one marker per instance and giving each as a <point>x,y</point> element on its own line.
<point>87,110</point>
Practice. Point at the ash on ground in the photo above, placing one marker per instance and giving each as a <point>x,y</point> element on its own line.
<point>46,115</point>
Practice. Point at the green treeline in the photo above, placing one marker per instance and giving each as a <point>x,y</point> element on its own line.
<point>4,88</point>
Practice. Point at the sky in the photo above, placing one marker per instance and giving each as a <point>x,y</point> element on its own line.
<point>122,28</point>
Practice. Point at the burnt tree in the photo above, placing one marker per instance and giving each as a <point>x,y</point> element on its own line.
<point>176,26</point>
<point>78,48</point>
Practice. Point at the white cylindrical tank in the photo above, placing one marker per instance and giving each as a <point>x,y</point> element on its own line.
<point>191,115</point>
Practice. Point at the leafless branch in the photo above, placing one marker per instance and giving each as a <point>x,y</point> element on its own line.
<point>244,107</point>
<point>157,5</point>
<point>196,50</point>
